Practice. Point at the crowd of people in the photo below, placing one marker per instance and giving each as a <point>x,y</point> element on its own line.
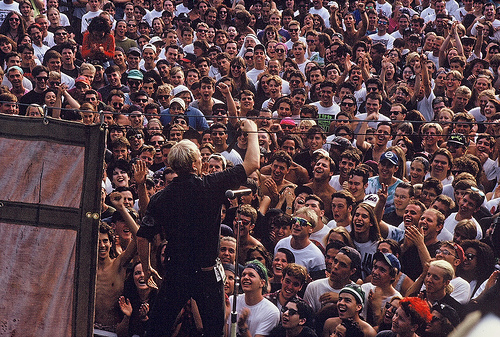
<point>364,135</point>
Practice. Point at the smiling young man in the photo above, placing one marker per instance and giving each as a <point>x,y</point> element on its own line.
<point>349,159</point>
<point>325,291</point>
<point>295,315</point>
<point>257,316</point>
<point>454,254</point>
<point>320,184</point>
<point>385,268</point>
<point>294,278</point>
<point>387,167</point>
<point>306,253</point>
<point>274,185</point>
<point>349,306</point>
<point>468,204</point>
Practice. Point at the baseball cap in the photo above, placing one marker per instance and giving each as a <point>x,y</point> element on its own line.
<point>149,45</point>
<point>156,39</point>
<point>179,101</point>
<point>371,199</point>
<point>353,254</point>
<point>457,138</point>
<point>458,250</point>
<point>356,291</point>
<point>390,156</point>
<point>447,311</point>
<point>135,74</point>
<point>389,258</point>
<point>134,50</point>
<point>341,141</point>
<point>288,121</point>
<point>219,106</point>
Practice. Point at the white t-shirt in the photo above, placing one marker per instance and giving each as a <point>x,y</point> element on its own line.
<point>385,9</point>
<point>367,250</point>
<point>314,291</point>
<point>333,224</point>
<point>326,114</point>
<point>7,8</point>
<point>451,222</point>
<point>461,290</point>
<point>320,235</point>
<point>289,43</point>
<point>323,12</point>
<point>425,107</point>
<point>310,257</point>
<point>254,73</point>
<point>385,39</point>
<point>373,123</point>
<point>264,316</point>
<point>87,18</point>
<point>302,66</point>
<point>335,182</point>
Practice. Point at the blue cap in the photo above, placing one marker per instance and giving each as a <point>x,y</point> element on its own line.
<point>388,258</point>
<point>390,156</point>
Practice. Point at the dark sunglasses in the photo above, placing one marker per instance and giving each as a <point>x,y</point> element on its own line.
<point>347,104</point>
<point>291,311</point>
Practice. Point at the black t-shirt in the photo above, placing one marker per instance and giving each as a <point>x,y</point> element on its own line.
<point>31,97</point>
<point>410,261</point>
<point>280,331</point>
<point>392,218</point>
<point>187,214</point>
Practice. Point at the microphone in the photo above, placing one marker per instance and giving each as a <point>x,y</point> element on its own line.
<point>230,194</point>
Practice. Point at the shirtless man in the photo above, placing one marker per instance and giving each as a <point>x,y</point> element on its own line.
<point>275,184</point>
<point>322,173</point>
<point>111,271</point>
<point>248,216</point>
<point>296,174</point>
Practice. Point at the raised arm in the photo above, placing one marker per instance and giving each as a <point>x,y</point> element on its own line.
<point>117,201</point>
<point>140,172</point>
<point>231,106</point>
<point>252,156</point>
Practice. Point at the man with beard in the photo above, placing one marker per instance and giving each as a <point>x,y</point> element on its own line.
<point>324,292</point>
<point>275,184</point>
<point>350,304</point>
<point>322,173</point>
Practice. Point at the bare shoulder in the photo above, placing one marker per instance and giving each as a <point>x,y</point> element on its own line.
<point>368,330</point>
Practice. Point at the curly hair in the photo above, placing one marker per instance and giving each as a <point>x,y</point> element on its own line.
<point>99,24</point>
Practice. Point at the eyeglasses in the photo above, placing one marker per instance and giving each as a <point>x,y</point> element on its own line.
<point>381,22</point>
<point>42,78</point>
<point>163,96</point>
<point>291,311</point>
<point>131,25</point>
<point>136,136</point>
<point>302,222</point>
<point>63,33</point>
<point>54,83</point>
<point>435,319</point>
<point>248,57</point>
<point>180,121</point>
<point>90,99</point>
<point>279,50</point>
<point>295,81</point>
<point>141,100</point>
<point>371,89</point>
<point>245,222</point>
<point>445,252</point>
<point>310,41</point>
<point>236,66</point>
<point>202,30</point>
<point>133,82</point>
<point>287,126</point>
<point>117,105</point>
<point>157,142</point>
<point>470,256</point>
<point>219,112</point>
<point>395,112</point>
<point>347,104</point>
<point>293,29</point>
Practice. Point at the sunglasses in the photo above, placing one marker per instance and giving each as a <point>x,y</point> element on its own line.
<point>43,78</point>
<point>380,22</point>
<point>302,222</point>
<point>141,100</point>
<point>310,41</point>
<point>59,34</point>
<point>347,104</point>
<point>248,57</point>
<point>291,311</point>
<point>158,142</point>
<point>163,96</point>
<point>293,30</point>
<point>54,83</point>
<point>279,50</point>
<point>117,105</point>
